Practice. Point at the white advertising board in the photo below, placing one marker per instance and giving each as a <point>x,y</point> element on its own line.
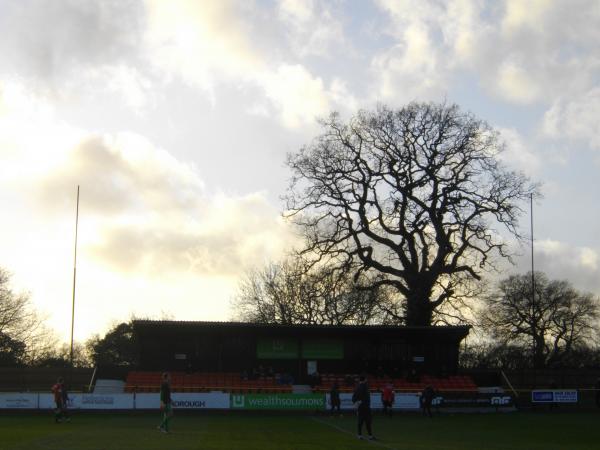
<point>401,401</point>
<point>46,401</point>
<point>183,400</point>
<point>90,401</point>
<point>18,401</point>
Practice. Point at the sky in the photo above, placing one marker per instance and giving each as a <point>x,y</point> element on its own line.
<point>175,118</point>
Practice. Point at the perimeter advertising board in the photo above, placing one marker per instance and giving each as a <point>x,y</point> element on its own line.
<point>18,401</point>
<point>401,401</point>
<point>183,400</point>
<point>211,400</point>
<point>278,401</point>
<point>90,401</point>
<point>554,396</point>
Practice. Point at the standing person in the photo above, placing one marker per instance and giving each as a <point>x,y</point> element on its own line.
<point>65,403</point>
<point>57,391</point>
<point>165,402</point>
<point>387,398</point>
<point>362,399</point>
<point>427,399</point>
<point>334,398</point>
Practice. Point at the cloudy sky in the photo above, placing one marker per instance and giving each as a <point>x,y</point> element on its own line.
<point>175,117</point>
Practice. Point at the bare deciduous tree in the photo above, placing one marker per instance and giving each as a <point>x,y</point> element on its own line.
<point>292,292</point>
<point>409,199</point>
<point>20,323</point>
<point>553,324</point>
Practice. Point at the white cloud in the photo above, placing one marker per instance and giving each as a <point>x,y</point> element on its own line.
<point>412,68</point>
<point>147,221</point>
<point>211,43</point>
<point>523,52</point>
<point>51,42</point>
<point>575,118</point>
<point>563,261</point>
<point>517,155</point>
<point>313,27</point>
<point>297,94</point>
<point>203,42</point>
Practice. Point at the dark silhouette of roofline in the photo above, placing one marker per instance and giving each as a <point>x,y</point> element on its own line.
<point>460,329</point>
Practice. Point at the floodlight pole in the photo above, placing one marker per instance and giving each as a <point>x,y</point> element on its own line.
<point>533,315</point>
<point>74,278</point>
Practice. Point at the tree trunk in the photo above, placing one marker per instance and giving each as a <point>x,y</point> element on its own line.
<point>418,311</point>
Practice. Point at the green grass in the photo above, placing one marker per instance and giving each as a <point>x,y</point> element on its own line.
<point>527,431</point>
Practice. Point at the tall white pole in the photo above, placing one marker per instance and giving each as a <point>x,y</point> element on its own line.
<point>533,316</point>
<point>74,277</point>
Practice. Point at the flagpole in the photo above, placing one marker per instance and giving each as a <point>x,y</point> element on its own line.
<point>74,277</point>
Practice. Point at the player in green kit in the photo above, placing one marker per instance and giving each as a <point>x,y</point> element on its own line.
<point>165,402</point>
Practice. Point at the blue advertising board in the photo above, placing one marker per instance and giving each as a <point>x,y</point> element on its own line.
<point>554,396</point>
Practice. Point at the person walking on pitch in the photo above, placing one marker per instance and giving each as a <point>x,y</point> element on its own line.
<point>165,403</point>
<point>362,400</point>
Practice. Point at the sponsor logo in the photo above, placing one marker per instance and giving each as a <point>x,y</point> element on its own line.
<point>554,396</point>
<point>18,402</point>
<point>500,401</point>
<point>189,404</point>
<point>97,400</point>
<point>278,401</point>
<point>238,401</point>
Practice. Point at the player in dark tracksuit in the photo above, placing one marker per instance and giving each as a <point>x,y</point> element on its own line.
<point>362,398</point>
<point>165,403</point>
<point>427,399</point>
<point>334,398</point>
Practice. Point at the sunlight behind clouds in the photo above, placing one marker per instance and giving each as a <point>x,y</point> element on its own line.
<point>175,116</point>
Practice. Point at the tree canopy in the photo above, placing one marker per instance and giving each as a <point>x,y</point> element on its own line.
<point>292,292</point>
<point>407,198</point>
<point>116,348</point>
<point>551,322</point>
<point>23,336</point>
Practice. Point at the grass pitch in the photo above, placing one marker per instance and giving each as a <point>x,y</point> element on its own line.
<point>527,431</point>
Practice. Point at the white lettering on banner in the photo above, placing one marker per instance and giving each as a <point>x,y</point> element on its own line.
<point>554,396</point>
<point>181,400</point>
<point>499,401</point>
<point>569,396</point>
<point>196,404</point>
<point>18,401</point>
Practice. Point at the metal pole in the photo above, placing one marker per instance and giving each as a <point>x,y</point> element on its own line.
<point>74,277</point>
<point>533,315</point>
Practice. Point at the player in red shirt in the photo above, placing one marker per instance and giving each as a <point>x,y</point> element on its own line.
<point>60,399</point>
<point>387,398</point>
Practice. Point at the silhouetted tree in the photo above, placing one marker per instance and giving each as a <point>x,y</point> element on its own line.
<point>293,292</point>
<point>12,352</point>
<point>60,356</point>
<point>116,348</point>
<point>408,199</point>
<point>551,326</point>
<point>23,332</point>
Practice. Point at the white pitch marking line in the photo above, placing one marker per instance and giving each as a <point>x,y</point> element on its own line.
<point>377,443</point>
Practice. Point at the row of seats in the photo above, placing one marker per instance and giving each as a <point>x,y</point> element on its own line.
<point>232,382</point>
<point>346,383</point>
<point>203,382</point>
